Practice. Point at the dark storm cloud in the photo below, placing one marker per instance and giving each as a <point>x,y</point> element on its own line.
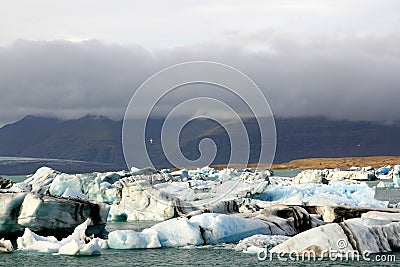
<point>352,77</point>
<point>69,79</point>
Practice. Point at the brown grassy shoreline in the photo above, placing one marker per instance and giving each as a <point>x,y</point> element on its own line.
<point>324,163</point>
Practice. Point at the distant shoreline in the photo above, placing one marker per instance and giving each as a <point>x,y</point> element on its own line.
<point>328,163</point>
<point>30,165</point>
<point>347,162</point>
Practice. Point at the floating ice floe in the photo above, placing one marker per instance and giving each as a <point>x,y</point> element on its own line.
<point>141,201</point>
<point>129,239</point>
<point>380,215</point>
<point>6,246</point>
<point>383,170</point>
<point>309,176</point>
<point>42,212</point>
<point>177,232</point>
<point>258,243</point>
<point>358,195</point>
<point>220,228</point>
<point>47,213</point>
<point>144,171</point>
<point>388,185</point>
<point>196,192</point>
<point>33,242</point>
<point>209,228</point>
<point>361,235</point>
<point>394,176</point>
<point>76,244</point>
<point>322,176</point>
<point>353,175</point>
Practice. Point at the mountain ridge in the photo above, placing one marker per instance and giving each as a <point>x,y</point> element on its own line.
<point>96,138</point>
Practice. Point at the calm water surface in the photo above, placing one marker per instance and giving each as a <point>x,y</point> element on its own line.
<point>169,257</point>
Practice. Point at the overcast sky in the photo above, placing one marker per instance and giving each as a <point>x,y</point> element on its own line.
<point>339,59</point>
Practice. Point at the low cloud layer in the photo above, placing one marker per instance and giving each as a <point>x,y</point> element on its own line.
<point>355,77</point>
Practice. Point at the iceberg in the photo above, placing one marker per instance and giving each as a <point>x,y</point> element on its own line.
<point>285,220</point>
<point>77,247</point>
<point>102,191</point>
<point>296,219</point>
<point>321,176</point>
<point>383,184</point>
<point>380,215</point>
<point>258,243</point>
<point>203,193</point>
<point>43,247</point>
<point>6,246</point>
<point>308,176</point>
<point>64,182</point>
<point>141,201</point>
<point>373,236</point>
<point>75,244</point>
<point>177,232</point>
<point>51,214</point>
<point>41,180</point>
<point>357,195</point>
<point>10,203</point>
<point>34,242</point>
<point>365,175</point>
<point>220,228</point>
<point>21,188</point>
<point>340,213</point>
<point>129,239</point>
<point>383,170</point>
<point>394,174</point>
<point>145,171</point>
<point>318,239</point>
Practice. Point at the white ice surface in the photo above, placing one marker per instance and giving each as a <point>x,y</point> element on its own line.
<point>177,232</point>
<point>75,244</point>
<point>221,228</point>
<point>357,195</point>
<point>129,239</point>
<point>256,243</point>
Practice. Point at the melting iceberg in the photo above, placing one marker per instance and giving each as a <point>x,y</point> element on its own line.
<point>221,228</point>
<point>359,235</point>
<point>177,232</point>
<point>75,244</point>
<point>6,246</point>
<point>129,239</point>
<point>258,243</point>
<point>340,193</point>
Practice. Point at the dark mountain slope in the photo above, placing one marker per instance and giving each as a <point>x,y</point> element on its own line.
<point>98,139</point>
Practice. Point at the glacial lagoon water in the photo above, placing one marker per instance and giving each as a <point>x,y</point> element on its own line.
<point>195,256</point>
<point>170,257</point>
